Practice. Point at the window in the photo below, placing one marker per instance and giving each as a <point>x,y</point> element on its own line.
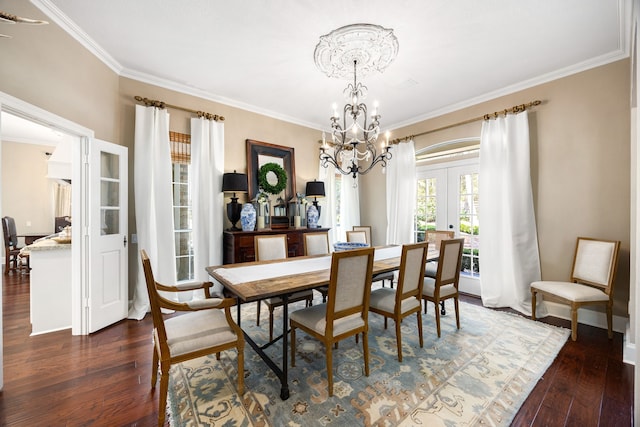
<point>182,219</point>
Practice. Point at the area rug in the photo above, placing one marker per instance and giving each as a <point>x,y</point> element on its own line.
<point>478,375</point>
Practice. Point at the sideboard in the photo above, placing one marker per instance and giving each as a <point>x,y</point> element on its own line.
<point>238,245</point>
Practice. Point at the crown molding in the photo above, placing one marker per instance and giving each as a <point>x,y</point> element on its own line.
<point>70,27</point>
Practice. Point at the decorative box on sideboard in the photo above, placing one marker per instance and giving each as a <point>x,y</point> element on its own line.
<point>238,245</point>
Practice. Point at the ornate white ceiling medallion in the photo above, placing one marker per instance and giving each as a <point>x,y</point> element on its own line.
<point>373,48</point>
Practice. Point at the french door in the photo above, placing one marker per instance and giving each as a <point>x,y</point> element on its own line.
<point>447,199</point>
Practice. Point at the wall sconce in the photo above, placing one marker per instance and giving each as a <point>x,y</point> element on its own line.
<point>315,189</point>
<point>233,182</point>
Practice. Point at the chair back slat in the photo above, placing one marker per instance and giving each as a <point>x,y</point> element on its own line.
<point>412,263</point>
<point>269,248</point>
<point>595,262</point>
<point>316,243</point>
<point>350,283</point>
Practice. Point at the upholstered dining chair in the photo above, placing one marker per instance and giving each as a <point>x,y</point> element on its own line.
<point>357,237</point>
<point>346,312</point>
<point>445,285</point>
<point>13,260</point>
<point>207,328</point>
<point>273,247</point>
<point>317,244</point>
<point>434,237</point>
<point>367,232</point>
<point>406,299</point>
<point>594,269</point>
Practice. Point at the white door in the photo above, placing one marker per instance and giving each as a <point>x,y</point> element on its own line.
<point>107,234</point>
<point>448,200</point>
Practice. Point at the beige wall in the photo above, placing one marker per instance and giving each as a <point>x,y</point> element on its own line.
<point>239,125</point>
<point>580,136</point>
<point>580,165</point>
<point>27,194</point>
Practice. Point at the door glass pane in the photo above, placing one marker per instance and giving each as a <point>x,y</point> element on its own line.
<point>469,223</point>
<point>426,208</point>
<point>109,165</point>
<point>109,193</point>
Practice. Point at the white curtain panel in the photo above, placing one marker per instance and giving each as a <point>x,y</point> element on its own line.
<point>509,243</point>
<point>401,193</point>
<point>153,197</point>
<point>349,206</point>
<point>329,203</point>
<point>207,199</point>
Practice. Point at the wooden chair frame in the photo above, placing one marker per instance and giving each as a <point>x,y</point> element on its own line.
<point>332,315</point>
<point>441,281</point>
<point>324,290</point>
<point>402,294</point>
<point>13,258</point>
<point>161,353</point>
<point>273,303</point>
<point>578,279</point>
<point>367,232</point>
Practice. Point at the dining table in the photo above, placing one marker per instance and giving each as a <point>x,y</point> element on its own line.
<point>254,281</point>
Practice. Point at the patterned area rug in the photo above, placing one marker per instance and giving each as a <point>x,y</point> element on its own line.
<point>478,375</point>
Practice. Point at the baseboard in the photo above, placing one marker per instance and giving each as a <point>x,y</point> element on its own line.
<point>629,348</point>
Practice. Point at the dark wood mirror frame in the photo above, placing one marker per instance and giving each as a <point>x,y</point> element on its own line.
<point>258,148</point>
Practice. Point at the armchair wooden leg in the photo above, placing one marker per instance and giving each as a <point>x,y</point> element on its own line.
<point>365,347</point>
<point>164,388</point>
<point>420,328</point>
<point>154,369</point>
<point>574,322</point>
<point>533,304</point>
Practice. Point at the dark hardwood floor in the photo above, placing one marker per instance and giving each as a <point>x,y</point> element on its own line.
<point>57,379</point>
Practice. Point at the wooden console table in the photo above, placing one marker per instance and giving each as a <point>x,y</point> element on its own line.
<point>238,245</point>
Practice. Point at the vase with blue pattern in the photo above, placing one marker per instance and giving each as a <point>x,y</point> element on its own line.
<point>312,217</point>
<point>248,217</point>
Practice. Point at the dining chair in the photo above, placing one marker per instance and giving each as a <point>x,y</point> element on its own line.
<point>367,232</point>
<point>317,244</point>
<point>270,248</point>
<point>406,298</point>
<point>206,328</point>
<point>594,269</point>
<point>445,285</point>
<point>357,237</point>
<point>14,261</point>
<point>434,237</point>
<point>346,311</point>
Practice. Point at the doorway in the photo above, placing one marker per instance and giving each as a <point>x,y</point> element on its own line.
<point>447,199</point>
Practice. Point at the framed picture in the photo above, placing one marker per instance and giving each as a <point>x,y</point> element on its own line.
<point>260,154</point>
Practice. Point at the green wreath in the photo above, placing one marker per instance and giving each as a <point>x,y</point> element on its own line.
<point>280,174</point>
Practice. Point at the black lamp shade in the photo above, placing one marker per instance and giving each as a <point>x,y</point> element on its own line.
<point>235,182</point>
<point>315,189</point>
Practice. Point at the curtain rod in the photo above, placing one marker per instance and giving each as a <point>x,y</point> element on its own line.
<point>161,104</point>
<point>515,109</point>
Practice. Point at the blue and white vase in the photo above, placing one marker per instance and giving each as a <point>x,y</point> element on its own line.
<point>312,217</point>
<point>248,217</point>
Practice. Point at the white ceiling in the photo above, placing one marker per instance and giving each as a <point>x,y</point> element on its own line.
<point>258,55</point>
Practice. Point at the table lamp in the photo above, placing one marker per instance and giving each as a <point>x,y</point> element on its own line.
<point>233,182</point>
<point>315,189</point>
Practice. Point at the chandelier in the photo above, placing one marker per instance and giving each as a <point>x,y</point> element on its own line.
<point>354,135</point>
